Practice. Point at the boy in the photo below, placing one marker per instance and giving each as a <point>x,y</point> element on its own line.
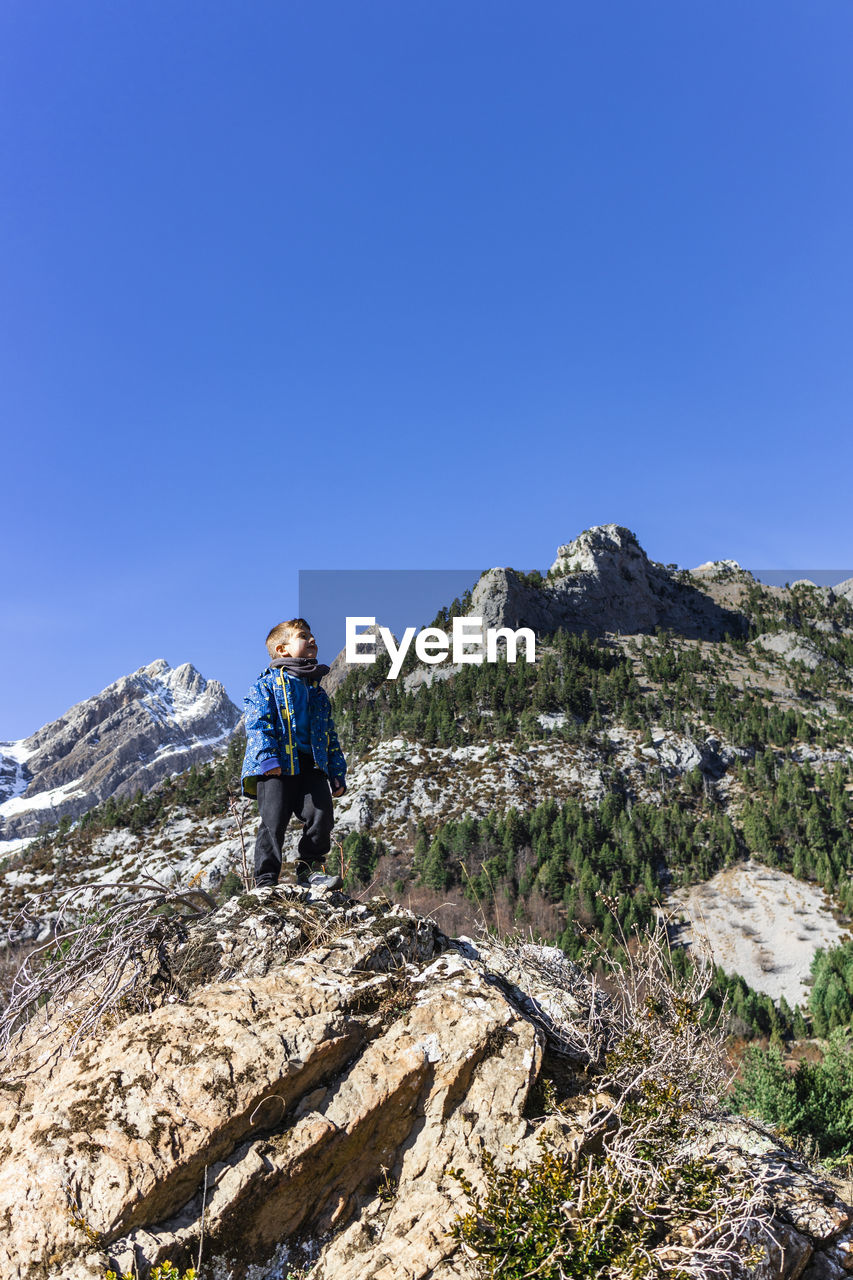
<point>293,762</point>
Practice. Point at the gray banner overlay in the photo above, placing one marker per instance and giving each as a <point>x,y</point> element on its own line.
<point>400,598</point>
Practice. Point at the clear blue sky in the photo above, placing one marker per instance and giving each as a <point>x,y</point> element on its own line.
<point>388,285</point>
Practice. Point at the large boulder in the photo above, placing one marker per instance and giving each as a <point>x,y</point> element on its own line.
<point>315,1074</point>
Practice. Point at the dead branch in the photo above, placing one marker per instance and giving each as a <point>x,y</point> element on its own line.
<point>105,959</point>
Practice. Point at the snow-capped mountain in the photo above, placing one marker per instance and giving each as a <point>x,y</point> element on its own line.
<point>125,739</point>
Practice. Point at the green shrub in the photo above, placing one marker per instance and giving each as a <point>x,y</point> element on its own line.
<point>813,1102</point>
<point>556,1219</point>
<point>612,1196</point>
<point>231,886</point>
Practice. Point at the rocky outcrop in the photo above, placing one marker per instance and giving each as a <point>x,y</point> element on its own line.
<point>791,647</point>
<point>308,1073</point>
<point>603,581</point>
<point>136,732</point>
<point>720,569</point>
<point>320,1053</point>
<point>844,590</point>
<point>339,668</point>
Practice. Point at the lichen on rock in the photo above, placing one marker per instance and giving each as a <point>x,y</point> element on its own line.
<point>322,1068</point>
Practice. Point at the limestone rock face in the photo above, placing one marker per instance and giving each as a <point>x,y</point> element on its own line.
<point>127,738</point>
<point>339,668</point>
<point>327,1050</point>
<point>720,569</point>
<point>503,599</point>
<point>844,590</point>
<point>791,647</point>
<point>310,1074</point>
<point>602,581</point>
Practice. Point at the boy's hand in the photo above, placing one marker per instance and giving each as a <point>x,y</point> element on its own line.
<point>338,788</point>
<point>272,773</point>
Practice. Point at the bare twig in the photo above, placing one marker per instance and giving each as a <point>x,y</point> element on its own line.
<point>661,1073</point>
<point>201,1231</point>
<point>105,958</point>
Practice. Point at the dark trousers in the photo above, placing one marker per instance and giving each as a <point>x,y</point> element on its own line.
<point>307,795</point>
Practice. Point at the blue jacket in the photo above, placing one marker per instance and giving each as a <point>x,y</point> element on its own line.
<point>270,737</point>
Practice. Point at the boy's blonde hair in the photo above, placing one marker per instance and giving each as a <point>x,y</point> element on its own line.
<point>281,633</point>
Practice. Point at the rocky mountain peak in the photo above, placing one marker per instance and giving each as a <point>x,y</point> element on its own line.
<point>142,727</point>
<point>339,668</point>
<point>723,569</point>
<point>597,548</point>
<point>844,589</point>
<point>602,581</point>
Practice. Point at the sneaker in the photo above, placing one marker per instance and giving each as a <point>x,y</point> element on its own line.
<point>319,881</point>
<point>265,882</point>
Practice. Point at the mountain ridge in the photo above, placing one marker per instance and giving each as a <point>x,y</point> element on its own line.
<point>579,799</point>
<point>658,739</point>
<point>603,581</point>
<point>124,739</point>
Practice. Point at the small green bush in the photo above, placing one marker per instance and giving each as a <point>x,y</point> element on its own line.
<point>231,886</point>
<point>556,1220</point>
<point>163,1271</point>
<point>813,1102</point>
<point>610,1197</point>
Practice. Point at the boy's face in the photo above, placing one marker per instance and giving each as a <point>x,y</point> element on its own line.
<point>299,644</point>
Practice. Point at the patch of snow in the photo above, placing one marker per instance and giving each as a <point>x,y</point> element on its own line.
<point>27,878</point>
<point>17,751</point>
<point>186,704</point>
<point>178,748</point>
<point>9,848</point>
<point>43,800</point>
<point>13,757</point>
<point>469,753</point>
<point>178,696</point>
<point>113,842</point>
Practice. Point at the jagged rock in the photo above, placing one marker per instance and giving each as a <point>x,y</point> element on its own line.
<point>126,739</point>
<point>823,1267</point>
<point>841,1252</point>
<point>722,569</point>
<point>844,590</point>
<point>428,675</point>
<point>293,1082</point>
<point>502,598</point>
<point>317,1070</point>
<point>602,581</point>
<point>679,755</point>
<point>791,647</point>
<point>339,668</point>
